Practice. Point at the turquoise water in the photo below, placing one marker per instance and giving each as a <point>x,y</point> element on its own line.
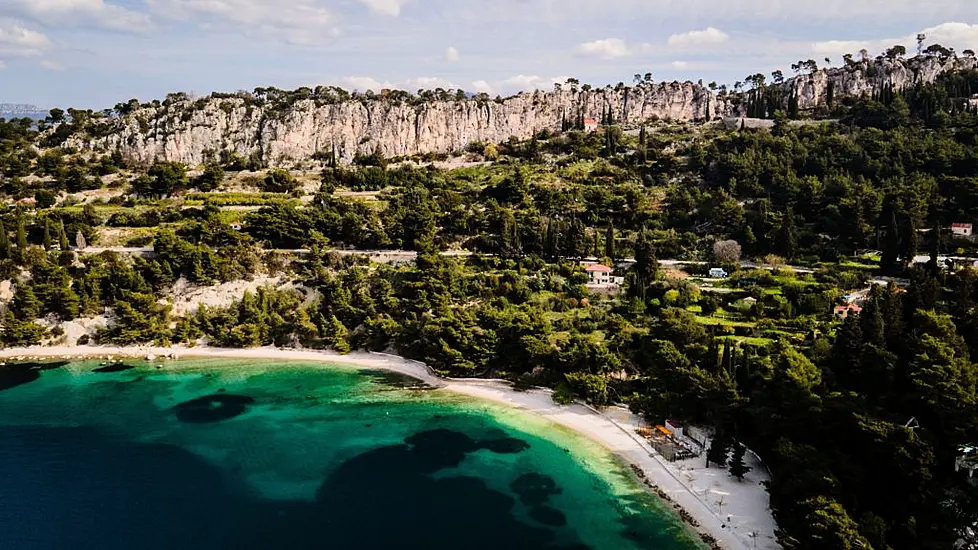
<point>231,454</point>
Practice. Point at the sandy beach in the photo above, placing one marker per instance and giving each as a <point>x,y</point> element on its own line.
<point>734,513</point>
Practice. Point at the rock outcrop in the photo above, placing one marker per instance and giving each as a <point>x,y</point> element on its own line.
<point>284,133</point>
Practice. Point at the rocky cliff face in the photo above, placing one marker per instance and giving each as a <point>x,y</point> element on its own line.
<point>864,78</point>
<point>187,130</point>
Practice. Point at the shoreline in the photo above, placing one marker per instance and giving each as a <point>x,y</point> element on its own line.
<point>612,428</point>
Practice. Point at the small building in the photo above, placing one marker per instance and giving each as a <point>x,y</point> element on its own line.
<point>843,311</point>
<point>600,274</point>
<point>961,230</point>
<point>236,226</point>
<point>718,273</point>
<point>590,125</point>
<point>967,459</point>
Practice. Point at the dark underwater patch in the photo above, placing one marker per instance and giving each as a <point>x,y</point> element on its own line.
<point>535,489</point>
<point>212,408</point>
<point>548,516</point>
<point>505,445</point>
<point>114,367</point>
<point>18,374</point>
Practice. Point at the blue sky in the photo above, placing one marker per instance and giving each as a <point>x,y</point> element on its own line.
<point>96,53</point>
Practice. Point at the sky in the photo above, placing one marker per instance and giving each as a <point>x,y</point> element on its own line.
<point>96,53</point>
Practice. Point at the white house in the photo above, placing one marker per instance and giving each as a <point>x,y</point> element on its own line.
<point>590,125</point>
<point>600,274</point>
<point>961,230</point>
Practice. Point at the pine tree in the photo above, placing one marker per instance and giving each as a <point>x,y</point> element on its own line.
<point>25,305</point>
<point>337,336</point>
<point>739,468</point>
<point>4,243</point>
<point>609,241</point>
<point>718,451</point>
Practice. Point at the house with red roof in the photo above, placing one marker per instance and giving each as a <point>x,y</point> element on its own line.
<point>600,274</point>
<point>590,125</point>
<point>843,311</point>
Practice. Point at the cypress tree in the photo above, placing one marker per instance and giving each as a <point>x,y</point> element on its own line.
<point>609,241</point>
<point>597,245</point>
<point>62,236</point>
<point>787,237</point>
<point>4,243</point>
<point>550,240</point>
<point>646,265</point>
<point>46,240</point>
<point>21,235</point>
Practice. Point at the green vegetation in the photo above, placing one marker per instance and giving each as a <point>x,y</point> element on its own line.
<point>759,356</point>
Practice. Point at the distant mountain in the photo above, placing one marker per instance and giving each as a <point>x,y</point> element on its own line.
<point>19,110</point>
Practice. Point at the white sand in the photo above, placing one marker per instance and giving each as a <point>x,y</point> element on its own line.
<point>709,496</point>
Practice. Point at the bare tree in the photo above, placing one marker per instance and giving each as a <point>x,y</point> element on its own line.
<point>727,252</point>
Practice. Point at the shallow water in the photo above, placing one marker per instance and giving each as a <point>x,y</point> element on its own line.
<point>216,454</point>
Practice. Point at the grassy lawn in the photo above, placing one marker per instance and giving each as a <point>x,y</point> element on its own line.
<point>720,321</point>
<point>748,340</point>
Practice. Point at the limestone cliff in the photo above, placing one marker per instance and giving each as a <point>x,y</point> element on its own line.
<point>284,132</point>
<point>863,78</point>
<point>187,130</point>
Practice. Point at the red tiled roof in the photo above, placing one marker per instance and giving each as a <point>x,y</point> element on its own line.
<point>598,267</point>
<point>590,121</point>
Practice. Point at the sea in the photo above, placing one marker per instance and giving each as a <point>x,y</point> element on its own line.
<point>231,454</point>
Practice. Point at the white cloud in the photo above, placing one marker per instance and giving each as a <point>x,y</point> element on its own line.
<point>679,64</point>
<point>451,54</point>
<point>95,13</point>
<point>364,83</point>
<point>300,22</point>
<point>769,11</point>
<point>429,83</point>
<point>607,48</point>
<point>483,87</point>
<point>520,83</point>
<point>385,7</point>
<point>709,36</point>
<point>51,65</point>
<point>18,40</point>
<point>959,36</point>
